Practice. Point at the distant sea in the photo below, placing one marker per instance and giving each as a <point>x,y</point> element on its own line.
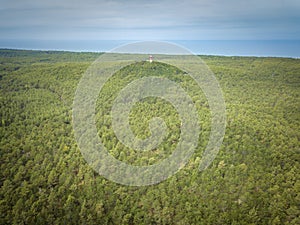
<point>273,48</point>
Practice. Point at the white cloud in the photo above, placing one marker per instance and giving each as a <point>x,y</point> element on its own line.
<point>192,19</point>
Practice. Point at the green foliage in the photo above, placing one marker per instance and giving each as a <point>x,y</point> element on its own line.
<point>45,180</point>
<point>146,109</point>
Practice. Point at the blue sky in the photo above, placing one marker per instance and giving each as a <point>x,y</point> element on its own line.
<point>150,20</point>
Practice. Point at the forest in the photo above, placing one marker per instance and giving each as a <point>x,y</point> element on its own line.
<point>44,179</point>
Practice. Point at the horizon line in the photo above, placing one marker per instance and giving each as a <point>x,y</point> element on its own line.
<point>103,52</point>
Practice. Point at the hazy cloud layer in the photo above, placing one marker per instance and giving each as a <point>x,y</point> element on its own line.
<point>150,20</point>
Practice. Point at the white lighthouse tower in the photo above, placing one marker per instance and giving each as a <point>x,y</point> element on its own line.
<point>150,58</point>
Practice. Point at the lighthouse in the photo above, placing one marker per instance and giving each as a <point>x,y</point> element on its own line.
<point>150,58</point>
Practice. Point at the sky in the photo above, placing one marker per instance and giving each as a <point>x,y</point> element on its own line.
<point>149,20</point>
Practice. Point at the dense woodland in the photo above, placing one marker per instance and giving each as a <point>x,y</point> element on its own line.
<point>44,179</point>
